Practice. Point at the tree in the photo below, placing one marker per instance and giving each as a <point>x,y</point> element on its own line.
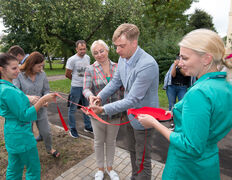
<point>50,21</point>
<point>163,25</point>
<point>201,19</point>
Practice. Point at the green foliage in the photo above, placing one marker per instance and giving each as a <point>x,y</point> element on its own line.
<point>201,19</point>
<point>53,26</point>
<point>164,48</point>
<point>163,26</point>
<point>166,14</point>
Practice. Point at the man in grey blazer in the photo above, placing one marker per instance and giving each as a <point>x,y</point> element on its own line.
<point>138,72</point>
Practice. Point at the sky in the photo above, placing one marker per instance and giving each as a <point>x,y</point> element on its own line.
<point>218,9</point>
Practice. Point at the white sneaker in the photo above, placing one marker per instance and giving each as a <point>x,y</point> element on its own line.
<point>99,175</point>
<point>113,175</point>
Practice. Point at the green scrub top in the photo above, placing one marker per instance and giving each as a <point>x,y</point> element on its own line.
<point>202,118</point>
<point>15,108</point>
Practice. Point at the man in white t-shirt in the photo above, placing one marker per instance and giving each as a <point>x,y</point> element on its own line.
<point>75,70</point>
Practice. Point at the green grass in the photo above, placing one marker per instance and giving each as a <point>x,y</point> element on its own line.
<point>163,100</point>
<point>65,85</point>
<point>60,85</point>
<point>56,69</point>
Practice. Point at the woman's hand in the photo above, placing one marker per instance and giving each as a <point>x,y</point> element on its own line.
<point>94,100</point>
<point>96,109</point>
<point>146,120</point>
<point>51,97</point>
<point>43,101</point>
<point>169,112</point>
<point>85,110</point>
<point>33,99</point>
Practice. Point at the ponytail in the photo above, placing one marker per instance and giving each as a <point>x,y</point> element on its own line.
<point>228,63</point>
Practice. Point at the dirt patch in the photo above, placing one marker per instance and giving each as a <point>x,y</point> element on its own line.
<point>72,151</point>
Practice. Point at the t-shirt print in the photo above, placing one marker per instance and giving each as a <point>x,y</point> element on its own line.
<point>81,71</point>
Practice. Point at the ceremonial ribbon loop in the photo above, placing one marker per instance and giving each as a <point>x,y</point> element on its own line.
<point>157,113</point>
<point>93,114</point>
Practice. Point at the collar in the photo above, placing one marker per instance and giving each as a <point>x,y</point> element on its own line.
<point>211,75</point>
<point>2,81</point>
<point>97,64</point>
<point>132,59</point>
<point>24,59</point>
<point>80,57</point>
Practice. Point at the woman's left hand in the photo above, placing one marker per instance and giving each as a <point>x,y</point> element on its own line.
<point>147,120</point>
<point>33,99</point>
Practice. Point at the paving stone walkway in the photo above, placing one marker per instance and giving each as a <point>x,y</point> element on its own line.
<point>86,169</point>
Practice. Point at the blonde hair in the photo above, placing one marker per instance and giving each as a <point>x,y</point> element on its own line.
<point>130,31</point>
<point>206,41</point>
<point>99,42</point>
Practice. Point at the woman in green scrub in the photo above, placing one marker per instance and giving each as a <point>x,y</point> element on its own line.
<point>15,108</point>
<point>204,116</point>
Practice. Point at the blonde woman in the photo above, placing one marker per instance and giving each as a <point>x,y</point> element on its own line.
<point>203,117</point>
<point>96,78</point>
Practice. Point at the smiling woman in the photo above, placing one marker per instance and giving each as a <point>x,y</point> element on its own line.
<point>33,82</point>
<point>199,121</point>
<point>15,108</point>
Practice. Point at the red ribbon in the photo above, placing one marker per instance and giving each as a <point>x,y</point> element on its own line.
<point>93,114</point>
<point>157,113</point>
<point>62,119</point>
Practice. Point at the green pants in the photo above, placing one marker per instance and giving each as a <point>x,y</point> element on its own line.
<point>16,163</point>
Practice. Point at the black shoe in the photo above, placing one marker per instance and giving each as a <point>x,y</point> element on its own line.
<point>39,138</point>
<point>73,133</point>
<point>89,130</point>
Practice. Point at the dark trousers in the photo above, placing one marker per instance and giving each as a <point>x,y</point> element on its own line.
<point>136,141</point>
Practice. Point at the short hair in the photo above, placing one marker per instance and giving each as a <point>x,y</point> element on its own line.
<point>15,50</point>
<point>80,42</point>
<point>99,42</point>
<point>130,31</point>
<point>33,59</point>
<point>5,58</point>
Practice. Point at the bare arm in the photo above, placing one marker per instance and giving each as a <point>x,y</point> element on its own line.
<point>43,100</point>
<point>68,74</point>
<point>173,72</point>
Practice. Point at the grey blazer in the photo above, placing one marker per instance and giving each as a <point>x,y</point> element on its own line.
<point>141,85</point>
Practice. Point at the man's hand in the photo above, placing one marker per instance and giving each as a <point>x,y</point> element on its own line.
<point>94,100</point>
<point>96,109</point>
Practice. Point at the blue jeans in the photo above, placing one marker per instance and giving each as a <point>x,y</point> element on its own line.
<point>75,96</point>
<point>174,91</point>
